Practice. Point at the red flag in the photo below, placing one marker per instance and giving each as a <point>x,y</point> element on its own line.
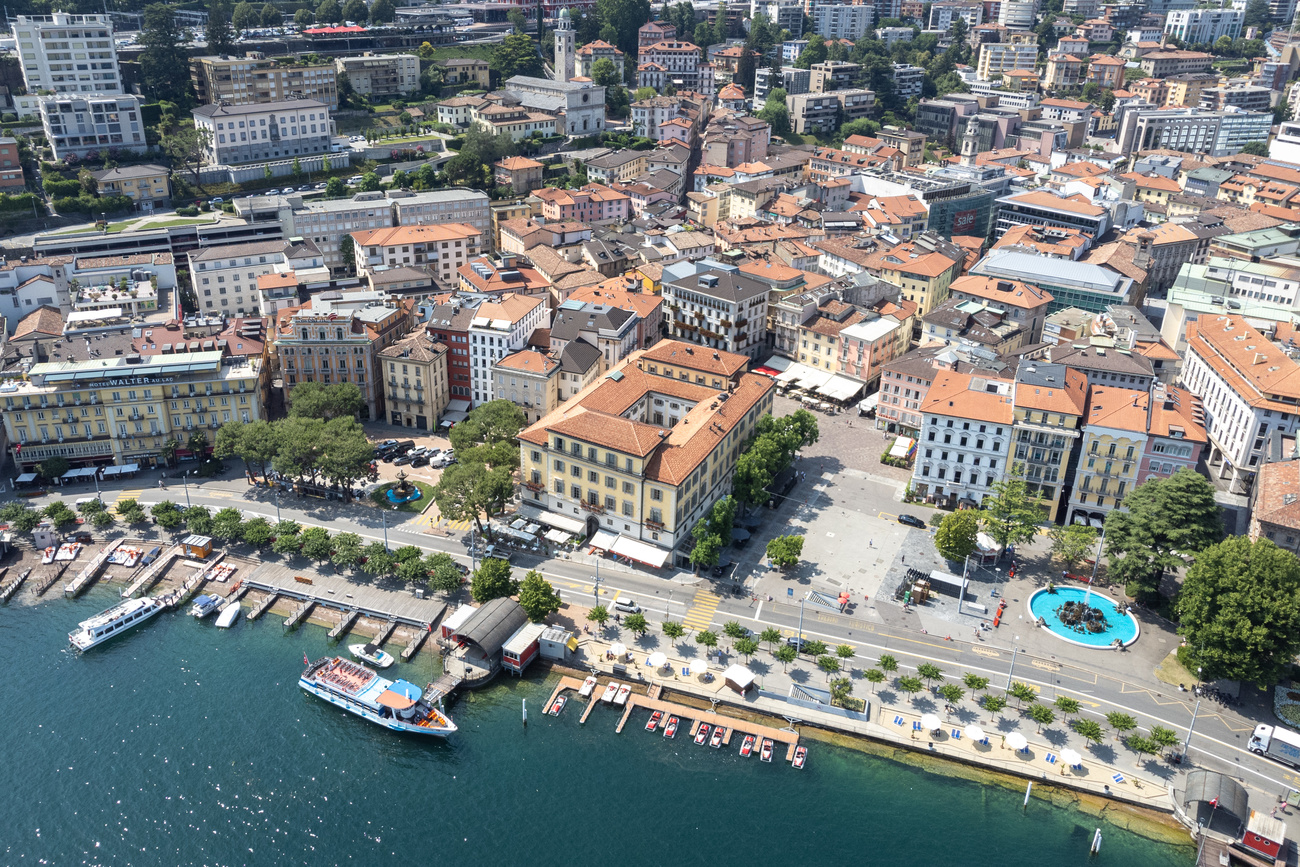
<point>1214,802</point>
<point>305,660</point>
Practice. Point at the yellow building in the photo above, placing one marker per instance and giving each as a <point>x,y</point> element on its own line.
<point>140,184</point>
<point>1050,403</point>
<point>638,456</point>
<point>924,267</point>
<point>414,370</point>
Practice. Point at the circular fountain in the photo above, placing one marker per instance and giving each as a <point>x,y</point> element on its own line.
<point>1088,619</point>
<point>403,492</point>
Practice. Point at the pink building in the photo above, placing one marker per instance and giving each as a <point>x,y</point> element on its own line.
<point>593,203</point>
<point>868,345</point>
<point>1175,433</point>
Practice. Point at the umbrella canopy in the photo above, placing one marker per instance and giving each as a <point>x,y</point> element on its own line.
<point>974,732</point>
<point>1070,757</point>
<point>930,722</point>
<point>698,666</point>
<point>656,660</point>
<point>1017,741</point>
<point>618,649</point>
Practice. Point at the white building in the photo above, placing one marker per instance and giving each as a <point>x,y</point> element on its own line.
<point>908,81</point>
<point>500,327</point>
<point>264,132</point>
<point>716,306</point>
<point>67,53</point>
<point>834,21</point>
<point>381,74</point>
<point>965,437</point>
<point>581,103</point>
<point>225,278</point>
<point>565,54</point>
<point>81,124</point>
<point>1018,14</point>
<point>1193,26</point>
<point>942,15</point>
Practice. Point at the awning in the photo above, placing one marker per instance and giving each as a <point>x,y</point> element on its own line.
<point>84,472</point>
<point>805,377</point>
<point>603,540</point>
<point>902,448</point>
<point>574,526</point>
<point>559,537</point>
<point>766,371</point>
<point>458,406</point>
<point>25,478</point>
<point>641,552</point>
<point>841,387</point>
<point>869,403</point>
<point>450,417</point>
<point>738,678</point>
<point>777,363</point>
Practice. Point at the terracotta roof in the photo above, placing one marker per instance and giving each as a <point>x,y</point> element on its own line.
<point>966,395</point>
<point>1251,365</point>
<point>1042,199</point>
<point>514,164</point>
<point>1068,397</point>
<point>391,236</point>
<point>693,357</point>
<point>41,322</point>
<point>910,259</point>
<point>529,361</point>
<point>1277,495</point>
<point>613,293</point>
<point>1153,182</point>
<point>1009,292</point>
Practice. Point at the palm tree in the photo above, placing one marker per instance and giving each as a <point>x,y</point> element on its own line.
<point>974,682</point>
<point>1041,714</point>
<point>1067,705</point>
<point>1089,730</point>
<point>1022,692</point>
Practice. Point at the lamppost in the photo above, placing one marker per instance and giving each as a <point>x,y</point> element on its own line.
<point>383,517</point>
<point>595,585</point>
<point>799,637</point>
<point>277,505</point>
<point>1195,711</point>
<point>1014,651</point>
<point>185,477</point>
<point>961,591</point>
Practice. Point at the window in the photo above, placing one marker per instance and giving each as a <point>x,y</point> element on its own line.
<point>656,494</point>
<point>559,466</point>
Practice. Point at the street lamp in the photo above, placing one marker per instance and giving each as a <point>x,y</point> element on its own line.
<point>595,585</point>
<point>1195,711</point>
<point>185,477</point>
<point>1014,651</point>
<point>277,505</point>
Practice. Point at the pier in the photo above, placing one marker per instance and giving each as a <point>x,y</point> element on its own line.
<point>12,587</point>
<point>50,579</point>
<point>92,570</point>
<point>413,646</point>
<point>385,633</point>
<point>262,606</point>
<point>299,614</point>
<point>153,573</point>
<point>341,593</point>
<point>344,625</point>
<point>237,592</point>
<point>442,687</point>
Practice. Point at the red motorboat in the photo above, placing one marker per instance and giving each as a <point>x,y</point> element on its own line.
<point>558,706</point>
<point>670,730</point>
<point>766,752</point>
<point>702,735</point>
<point>718,732</point>
<point>747,747</point>
<point>653,722</point>
<point>800,754</point>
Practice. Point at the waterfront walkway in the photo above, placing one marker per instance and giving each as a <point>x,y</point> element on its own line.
<point>373,600</point>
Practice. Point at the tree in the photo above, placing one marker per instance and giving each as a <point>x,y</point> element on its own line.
<point>625,16</point>
<point>637,623</point>
<point>1239,611</point>
<point>1089,730</point>
<point>245,18</point>
<point>128,510</point>
<point>770,636</point>
<point>1073,543</point>
<point>995,704</point>
<point>334,187</point>
<point>604,73</point>
<point>785,551</point>
<point>888,664</point>
<point>785,654</point>
<point>317,544</point>
<point>369,181</point>
<point>1257,14</point>
<point>516,54</point>
<point>164,62</point>
<point>1120,722</point>
<point>1141,745</point>
<point>774,111</point>
<point>746,66</point>
<point>538,597</point>
<point>955,538</point>
<point>1163,737</point>
<point>59,513</point>
<point>1041,714</point>
<point>304,18</point>
<point>703,35</point>
<point>321,401</point>
<point>187,148</point>
<point>198,520</point>
<point>270,16</point>
<point>721,32</point>
<point>975,682</point>
<point>910,685</point>
<point>1255,148</point>
<point>286,543</point>
<point>952,693</point>
<point>382,12</point>
<point>1067,705</point>
<point>167,514</point>
<point>444,573</point>
<point>814,52</point>
<point>841,689</point>
<point>378,560</point>
<point>257,532</point>
<point>227,525</point>
<point>746,647</point>
<point>874,676</point>
<point>329,12</point>
<point>828,664</point>
<point>218,33</point>
<point>672,629</point>
<point>844,651</point>
<point>492,580</point>
<point>1010,515</point>
<point>598,615</point>
<point>733,630</point>
<point>814,648</point>
<point>53,468</point>
<point>929,672</point>
<point>707,638</point>
<point>468,491</point>
<point>708,547</point>
<point>1022,692</point>
<point>102,520</point>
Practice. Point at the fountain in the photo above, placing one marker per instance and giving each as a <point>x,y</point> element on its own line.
<point>1083,616</point>
<point>404,491</point>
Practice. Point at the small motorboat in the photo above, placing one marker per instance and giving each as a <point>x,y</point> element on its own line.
<point>205,605</point>
<point>747,747</point>
<point>371,653</point>
<point>623,692</point>
<point>48,557</point>
<point>800,754</point>
<point>766,752</point>
<point>653,722</point>
<point>716,740</point>
<point>670,730</point>
<point>587,686</point>
<point>610,692</point>
<point>558,705</point>
<point>228,615</point>
<point>702,735</point>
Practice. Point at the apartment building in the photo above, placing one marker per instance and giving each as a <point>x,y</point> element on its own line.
<point>530,379</point>
<point>247,133</point>
<point>256,79</point>
<point>381,74</point>
<point>225,279</point>
<point>497,329</point>
<point>1216,133</point>
<point>833,75</point>
<point>448,323</point>
<point>591,203</point>
<point>866,346</point>
<point>638,456</point>
<point>923,266</point>
<point>1051,401</point>
<point>145,185</point>
<point>598,49</point>
<point>1193,26</point>
<point>441,249</point>
<point>67,53</point>
<point>676,63</point>
<point>467,70</point>
<point>1162,64</point>
<point>1023,303</point>
<point>835,21</point>
<point>716,306</point>
<point>611,330</point>
<point>79,126</point>
<point>414,371</point>
<point>966,436</point>
<point>1048,208</point>
<point>11,168</point>
<point>1275,504</point>
<point>997,58</point>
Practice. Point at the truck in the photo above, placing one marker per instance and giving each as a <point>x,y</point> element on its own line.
<point>1279,744</point>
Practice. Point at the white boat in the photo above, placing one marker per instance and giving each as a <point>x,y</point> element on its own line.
<point>228,615</point>
<point>587,686</point>
<point>371,653</point>
<point>623,692</point>
<point>394,704</point>
<point>48,556</point>
<point>114,621</point>
<point>205,605</point>
<point>610,692</point>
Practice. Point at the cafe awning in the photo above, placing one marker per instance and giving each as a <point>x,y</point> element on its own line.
<point>573,526</point>
<point>25,478</point>
<point>603,540</point>
<point>559,537</point>
<point>840,387</point>
<point>641,552</point>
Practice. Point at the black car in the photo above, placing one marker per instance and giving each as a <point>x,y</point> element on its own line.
<point>419,461</point>
<point>798,643</point>
<point>911,521</point>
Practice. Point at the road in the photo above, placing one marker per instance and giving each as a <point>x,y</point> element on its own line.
<point>1220,733</point>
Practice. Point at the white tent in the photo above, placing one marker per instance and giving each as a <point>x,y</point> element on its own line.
<point>739,678</point>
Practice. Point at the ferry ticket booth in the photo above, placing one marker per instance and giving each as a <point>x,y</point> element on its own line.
<point>198,547</point>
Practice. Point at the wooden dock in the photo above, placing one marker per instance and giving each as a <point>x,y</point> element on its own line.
<point>92,570</point>
<point>339,592</point>
<point>153,573</point>
<point>413,646</point>
<point>345,624</point>
<point>443,686</point>
<point>262,606</point>
<point>300,614</point>
<point>384,634</point>
<point>12,587</point>
<point>703,717</point>
<point>52,578</point>
<point>237,592</point>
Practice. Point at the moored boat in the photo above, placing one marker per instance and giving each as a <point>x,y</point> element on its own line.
<point>394,704</point>
<point>371,653</point>
<point>800,755</point>
<point>558,705</point>
<point>48,556</point>
<point>205,605</point>
<point>610,691</point>
<point>587,686</point>
<point>702,735</point>
<point>670,730</point>
<point>747,747</point>
<point>228,615</point>
<point>766,752</point>
<point>653,722</point>
<point>716,740</point>
<point>113,621</point>
<point>623,692</point>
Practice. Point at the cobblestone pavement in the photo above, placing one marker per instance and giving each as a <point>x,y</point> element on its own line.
<point>847,441</point>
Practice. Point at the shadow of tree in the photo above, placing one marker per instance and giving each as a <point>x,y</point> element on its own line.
<point>799,675</point>
<point>1157,768</point>
<point>1006,724</point>
<point>1056,737</point>
<point>1102,752</point>
<point>647,640</point>
<point>923,703</point>
<point>887,695</point>
<point>759,667</point>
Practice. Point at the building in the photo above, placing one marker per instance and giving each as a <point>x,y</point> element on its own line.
<point>96,123</point>
<point>565,57</point>
<point>64,53</point>
<point>579,106</point>
<point>612,331</point>
<point>716,306</point>
<point>905,382</point>
<point>923,267</point>
<point>815,113</point>
<point>414,370</point>
<point>530,379</point>
<point>264,131</point>
<point>1072,284</point>
<point>1047,208</point>
<point>441,249</point>
<point>257,79</point>
<point>448,324</point>
<point>145,185</point>
<point>997,58</point>
<point>617,166</point>
<point>467,71</point>
<point>1023,303</point>
<point>908,80</point>
<point>966,436</point>
<point>676,63</point>
<point>1191,130</point>
<point>866,346</point>
<point>1248,387</point>
<point>834,75</point>
<point>1194,26</point>
<point>654,32</point>
<point>942,15</point>
<point>1051,401</point>
<point>1018,14</point>
<point>513,120</point>
<point>834,21</point>
<point>1274,510</point>
<point>500,327</point>
<point>647,306</point>
<point>225,279</point>
<point>1162,64</point>
<point>337,337</point>
<point>11,167</point>
<point>645,451</point>
<point>597,50</point>
<point>1245,97</point>
<point>380,74</point>
<point>521,174</point>
<point>592,203</point>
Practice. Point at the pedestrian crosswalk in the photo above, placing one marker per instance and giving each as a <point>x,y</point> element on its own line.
<point>703,606</point>
<point>430,518</point>
<point>133,494</point>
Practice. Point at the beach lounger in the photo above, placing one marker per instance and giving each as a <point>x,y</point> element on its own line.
<point>1119,778</point>
<point>956,734</point>
<point>1050,759</point>
<point>898,720</point>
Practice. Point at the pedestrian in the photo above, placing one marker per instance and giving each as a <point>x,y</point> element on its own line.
<point>904,558</point>
<point>871,543</point>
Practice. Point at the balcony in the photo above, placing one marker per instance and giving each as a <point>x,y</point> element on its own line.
<point>654,525</point>
<point>592,507</point>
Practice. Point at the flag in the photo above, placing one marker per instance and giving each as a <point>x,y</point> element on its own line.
<point>1214,802</point>
<point>305,660</point>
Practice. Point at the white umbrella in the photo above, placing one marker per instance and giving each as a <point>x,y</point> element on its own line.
<point>1017,741</point>
<point>1070,757</point>
<point>656,660</point>
<point>698,666</point>
<point>930,722</point>
<point>618,649</point>
<point>974,732</point>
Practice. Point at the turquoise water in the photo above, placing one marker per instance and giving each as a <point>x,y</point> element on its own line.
<point>1122,626</point>
<point>182,744</point>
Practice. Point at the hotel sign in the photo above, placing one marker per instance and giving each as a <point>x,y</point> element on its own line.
<point>138,380</point>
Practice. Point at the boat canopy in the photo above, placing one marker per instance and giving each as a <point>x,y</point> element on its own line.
<point>400,695</point>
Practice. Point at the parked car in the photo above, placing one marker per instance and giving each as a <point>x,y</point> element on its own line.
<point>217,201</point>
<point>321,186</point>
<point>798,643</point>
<point>419,461</point>
<point>354,180</point>
<point>304,188</point>
<point>386,444</point>
<point>444,459</point>
<point>911,521</point>
<point>404,460</point>
<point>271,192</point>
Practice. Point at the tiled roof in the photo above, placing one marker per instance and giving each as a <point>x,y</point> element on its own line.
<point>1251,365</point>
<point>966,395</point>
<point>43,321</point>
<point>1277,495</point>
<point>529,361</point>
<point>1008,292</point>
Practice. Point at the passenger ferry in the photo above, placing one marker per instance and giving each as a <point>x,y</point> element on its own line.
<point>394,704</point>
<point>114,621</point>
